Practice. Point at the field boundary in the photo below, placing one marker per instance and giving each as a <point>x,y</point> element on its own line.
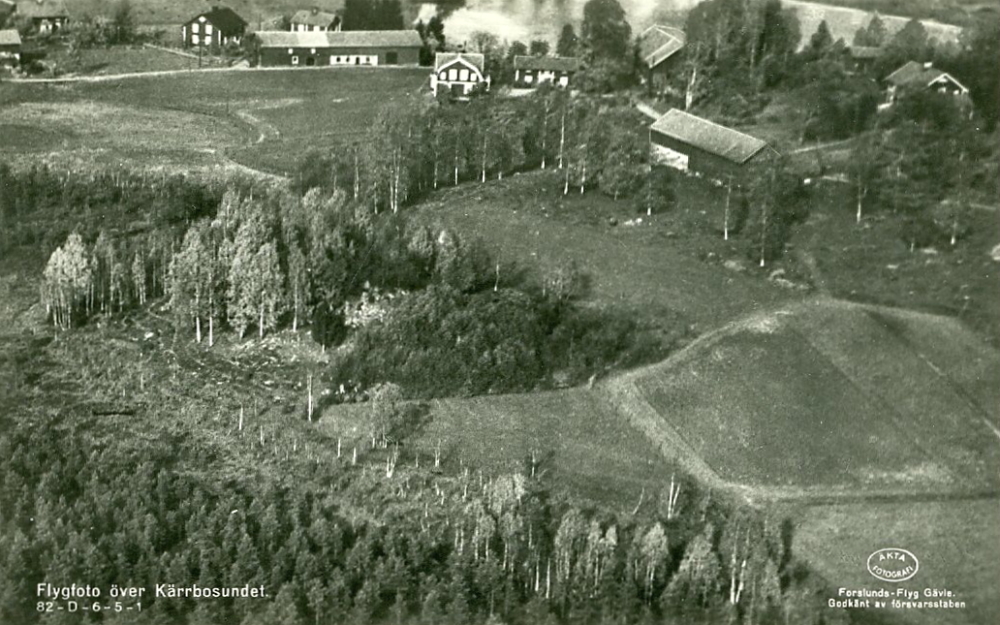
<point>175,72</point>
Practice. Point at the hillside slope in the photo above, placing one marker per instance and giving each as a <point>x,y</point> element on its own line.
<point>823,399</point>
<point>830,397</point>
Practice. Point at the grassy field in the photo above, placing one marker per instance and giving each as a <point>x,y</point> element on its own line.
<point>591,451</point>
<point>837,397</point>
<point>872,263</point>
<point>262,119</point>
<point>821,400</point>
<point>666,269</point>
<point>956,542</point>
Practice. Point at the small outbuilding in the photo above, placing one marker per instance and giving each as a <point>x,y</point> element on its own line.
<point>219,27</point>
<point>311,20</point>
<point>701,147</point>
<point>459,74</point>
<point>46,16</point>
<point>659,51</point>
<point>10,48</point>
<point>531,71</point>
<point>361,48</point>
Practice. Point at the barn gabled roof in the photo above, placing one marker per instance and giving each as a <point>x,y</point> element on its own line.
<point>726,143</point>
<point>340,39</point>
<point>922,75</point>
<point>472,59</point>
<point>41,9</point>
<point>223,18</point>
<point>547,63</point>
<point>658,43</point>
<point>10,37</point>
<point>314,17</point>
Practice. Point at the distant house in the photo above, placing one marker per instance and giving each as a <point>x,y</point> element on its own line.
<point>863,57</point>
<point>218,27</point>
<point>659,51</point>
<point>915,75</point>
<point>10,48</point>
<point>531,71</point>
<point>325,48</point>
<point>459,73</point>
<point>7,8</point>
<point>47,16</point>
<point>309,20</point>
<point>704,148</point>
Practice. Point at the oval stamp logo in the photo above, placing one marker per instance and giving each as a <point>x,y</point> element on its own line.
<point>893,564</point>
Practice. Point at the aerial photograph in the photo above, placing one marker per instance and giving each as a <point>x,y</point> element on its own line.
<point>499,312</point>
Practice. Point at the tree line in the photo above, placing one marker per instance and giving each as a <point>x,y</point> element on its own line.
<point>429,548</point>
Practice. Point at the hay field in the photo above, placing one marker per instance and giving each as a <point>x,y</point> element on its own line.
<point>832,397</point>
<point>956,542</point>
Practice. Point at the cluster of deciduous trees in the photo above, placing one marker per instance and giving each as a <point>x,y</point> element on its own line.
<point>594,144</point>
<point>927,164</point>
<point>429,549</point>
<point>266,260</point>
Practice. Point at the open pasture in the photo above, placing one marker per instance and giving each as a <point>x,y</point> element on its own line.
<point>262,119</point>
<point>833,397</point>
<point>578,436</point>
<point>666,268</point>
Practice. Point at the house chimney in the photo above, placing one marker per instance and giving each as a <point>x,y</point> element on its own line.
<point>315,10</point>
<point>928,65</point>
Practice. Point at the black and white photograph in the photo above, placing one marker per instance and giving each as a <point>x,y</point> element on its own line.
<point>499,312</point>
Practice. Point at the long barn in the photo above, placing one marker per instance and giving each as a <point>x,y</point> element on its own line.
<point>704,148</point>
<point>332,48</point>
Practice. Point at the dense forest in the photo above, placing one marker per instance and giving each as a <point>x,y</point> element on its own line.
<point>353,543</point>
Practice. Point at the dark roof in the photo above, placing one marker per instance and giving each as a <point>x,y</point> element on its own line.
<point>340,39</point>
<point>41,9</point>
<point>312,17</point>
<point>659,43</point>
<point>472,58</point>
<point>10,38</point>
<point>223,18</point>
<point>547,63</point>
<point>727,143</point>
<point>918,74</point>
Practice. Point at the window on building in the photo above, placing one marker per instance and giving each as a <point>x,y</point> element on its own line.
<point>463,74</point>
<point>208,29</point>
<point>452,74</point>
<point>442,76</point>
<point>195,39</point>
<point>312,51</point>
<point>528,78</point>
<point>196,27</point>
<point>392,58</point>
<point>290,51</point>
<point>295,60</point>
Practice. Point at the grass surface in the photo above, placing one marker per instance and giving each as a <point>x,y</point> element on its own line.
<point>262,119</point>
<point>956,542</point>
<point>836,395</point>
<point>595,454</point>
<point>667,268</point>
